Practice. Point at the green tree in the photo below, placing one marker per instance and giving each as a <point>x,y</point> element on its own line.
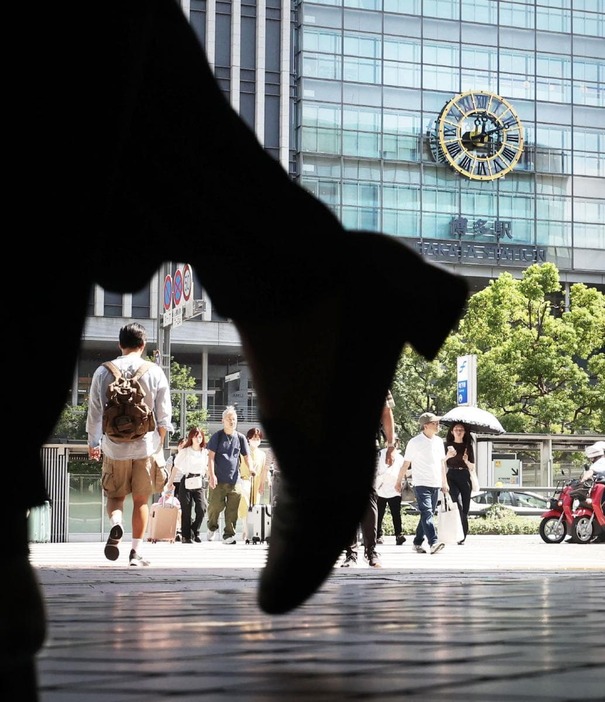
<point>71,424</point>
<point>540,367</point>
<point>181,379</point>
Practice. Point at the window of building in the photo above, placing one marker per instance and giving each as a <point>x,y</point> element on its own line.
<point>485,11</point>
<point>112,305</point>
<point>590,23</point>
<point>515,14</point>
<point>141,308</point>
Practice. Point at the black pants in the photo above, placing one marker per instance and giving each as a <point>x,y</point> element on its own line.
<point>189,498</point>
<point>394,504</point>
<point>369,526</point>
<point>460,492</point>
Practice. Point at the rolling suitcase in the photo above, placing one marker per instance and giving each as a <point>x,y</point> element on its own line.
<point>163,520</point>
<point>39,524</point>
<point>259,524</point>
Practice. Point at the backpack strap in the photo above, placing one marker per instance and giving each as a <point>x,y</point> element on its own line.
<point>112,368</point>
<point>141,370</point>
<point>117,374</point>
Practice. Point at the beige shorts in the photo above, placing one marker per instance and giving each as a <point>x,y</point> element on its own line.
<point>139,476</point>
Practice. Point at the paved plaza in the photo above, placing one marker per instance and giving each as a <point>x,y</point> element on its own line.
<point>499,619</point>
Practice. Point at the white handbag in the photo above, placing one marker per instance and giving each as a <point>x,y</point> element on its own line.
<point>475,487</point>
<point>193,482</point>
<point>449,526</point>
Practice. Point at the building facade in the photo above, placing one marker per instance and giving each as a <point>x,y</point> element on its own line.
<point>473,130</point>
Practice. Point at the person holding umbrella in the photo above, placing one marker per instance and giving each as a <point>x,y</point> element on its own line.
<point>459,469</point>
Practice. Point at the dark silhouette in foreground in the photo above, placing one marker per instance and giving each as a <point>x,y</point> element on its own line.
<point>132,156</point>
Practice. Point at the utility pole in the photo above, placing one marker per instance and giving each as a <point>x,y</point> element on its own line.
<point>162,353</point>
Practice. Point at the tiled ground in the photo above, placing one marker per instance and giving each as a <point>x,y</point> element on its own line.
<point>467,624</point>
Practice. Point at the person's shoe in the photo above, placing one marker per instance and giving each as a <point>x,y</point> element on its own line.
<point>186,541</point>
<point>380,540</point>
<point>196,536</point>
<point>373,560</point>
<point>211,535</point>
<point>229,540</point>
<point>419,549</point>
<point>400,539</point>
<point>439,546</point>
<point>349,562</point>
<point>296,408</point>
<point>178,537</point>
<point>112,552</point>
<point>461,543</point>
<point>137,561</point>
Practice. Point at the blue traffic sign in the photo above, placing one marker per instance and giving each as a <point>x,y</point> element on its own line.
<point>167,292</point>
<point>463,392</point>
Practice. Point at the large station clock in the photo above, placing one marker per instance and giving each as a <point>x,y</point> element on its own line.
<point>479,135</point>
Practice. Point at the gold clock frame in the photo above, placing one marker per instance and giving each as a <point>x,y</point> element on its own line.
<point>485,153</point>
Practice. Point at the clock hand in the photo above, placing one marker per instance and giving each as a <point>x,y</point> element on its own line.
<point>493,131</point>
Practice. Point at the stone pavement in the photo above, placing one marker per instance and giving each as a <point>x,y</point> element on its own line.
<point>499,619</point>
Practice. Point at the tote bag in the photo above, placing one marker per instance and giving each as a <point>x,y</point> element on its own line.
<point>449,526</point>
<point>475,488</point>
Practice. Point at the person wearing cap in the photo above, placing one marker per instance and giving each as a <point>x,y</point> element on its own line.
<point>426,453</point>
<point>596,455</point>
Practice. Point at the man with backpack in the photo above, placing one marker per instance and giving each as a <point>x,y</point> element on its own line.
<point>225,450</point>
<point>129,413</point>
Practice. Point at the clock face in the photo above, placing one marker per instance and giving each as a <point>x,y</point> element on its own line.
<point>479,135</point>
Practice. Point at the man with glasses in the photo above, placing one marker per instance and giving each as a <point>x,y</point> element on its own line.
<point>426,454</point>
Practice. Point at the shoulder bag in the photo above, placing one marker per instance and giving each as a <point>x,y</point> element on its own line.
<point>449,526</point>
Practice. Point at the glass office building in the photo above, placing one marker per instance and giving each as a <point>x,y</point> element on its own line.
<point>474,130</point>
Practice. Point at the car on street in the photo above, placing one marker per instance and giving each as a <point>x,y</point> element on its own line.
<point>523,503</point>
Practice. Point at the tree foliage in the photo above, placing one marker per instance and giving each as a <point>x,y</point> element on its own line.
<point>181,379</point>
<point>540,358</point>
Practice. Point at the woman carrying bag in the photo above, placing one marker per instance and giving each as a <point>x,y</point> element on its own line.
<point>252,486</point>
<point>192,463</point>
<point>459,469</point>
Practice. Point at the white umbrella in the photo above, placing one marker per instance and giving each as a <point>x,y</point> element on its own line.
<point>477,420</point>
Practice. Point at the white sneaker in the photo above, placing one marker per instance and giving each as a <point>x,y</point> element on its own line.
<point>210,535</point>
<point>439,546</point>
<point>229,540</point>
<point>112,552</point>
<point>137,561</point>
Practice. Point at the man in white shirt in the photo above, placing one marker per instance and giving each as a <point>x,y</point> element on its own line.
<point>130,467</point>
<point>426,454</point>
<point>596,456</point>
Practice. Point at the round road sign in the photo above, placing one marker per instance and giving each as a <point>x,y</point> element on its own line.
<point>177,284</point>
<point>187,282</point>
<point>167,292</point>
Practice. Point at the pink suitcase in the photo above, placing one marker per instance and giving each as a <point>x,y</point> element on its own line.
<point>163,521</point>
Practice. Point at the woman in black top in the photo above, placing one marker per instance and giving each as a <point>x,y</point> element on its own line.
<point>458,470</point>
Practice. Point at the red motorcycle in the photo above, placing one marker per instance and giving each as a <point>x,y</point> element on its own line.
<point>558,521</point>
<point>589,517</point>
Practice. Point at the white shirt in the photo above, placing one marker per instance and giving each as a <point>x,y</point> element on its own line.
<point>426,456</point>
<point>188,460</point>
<point>596,468</point>
<point>386,476</point>
<point>155,384</point>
